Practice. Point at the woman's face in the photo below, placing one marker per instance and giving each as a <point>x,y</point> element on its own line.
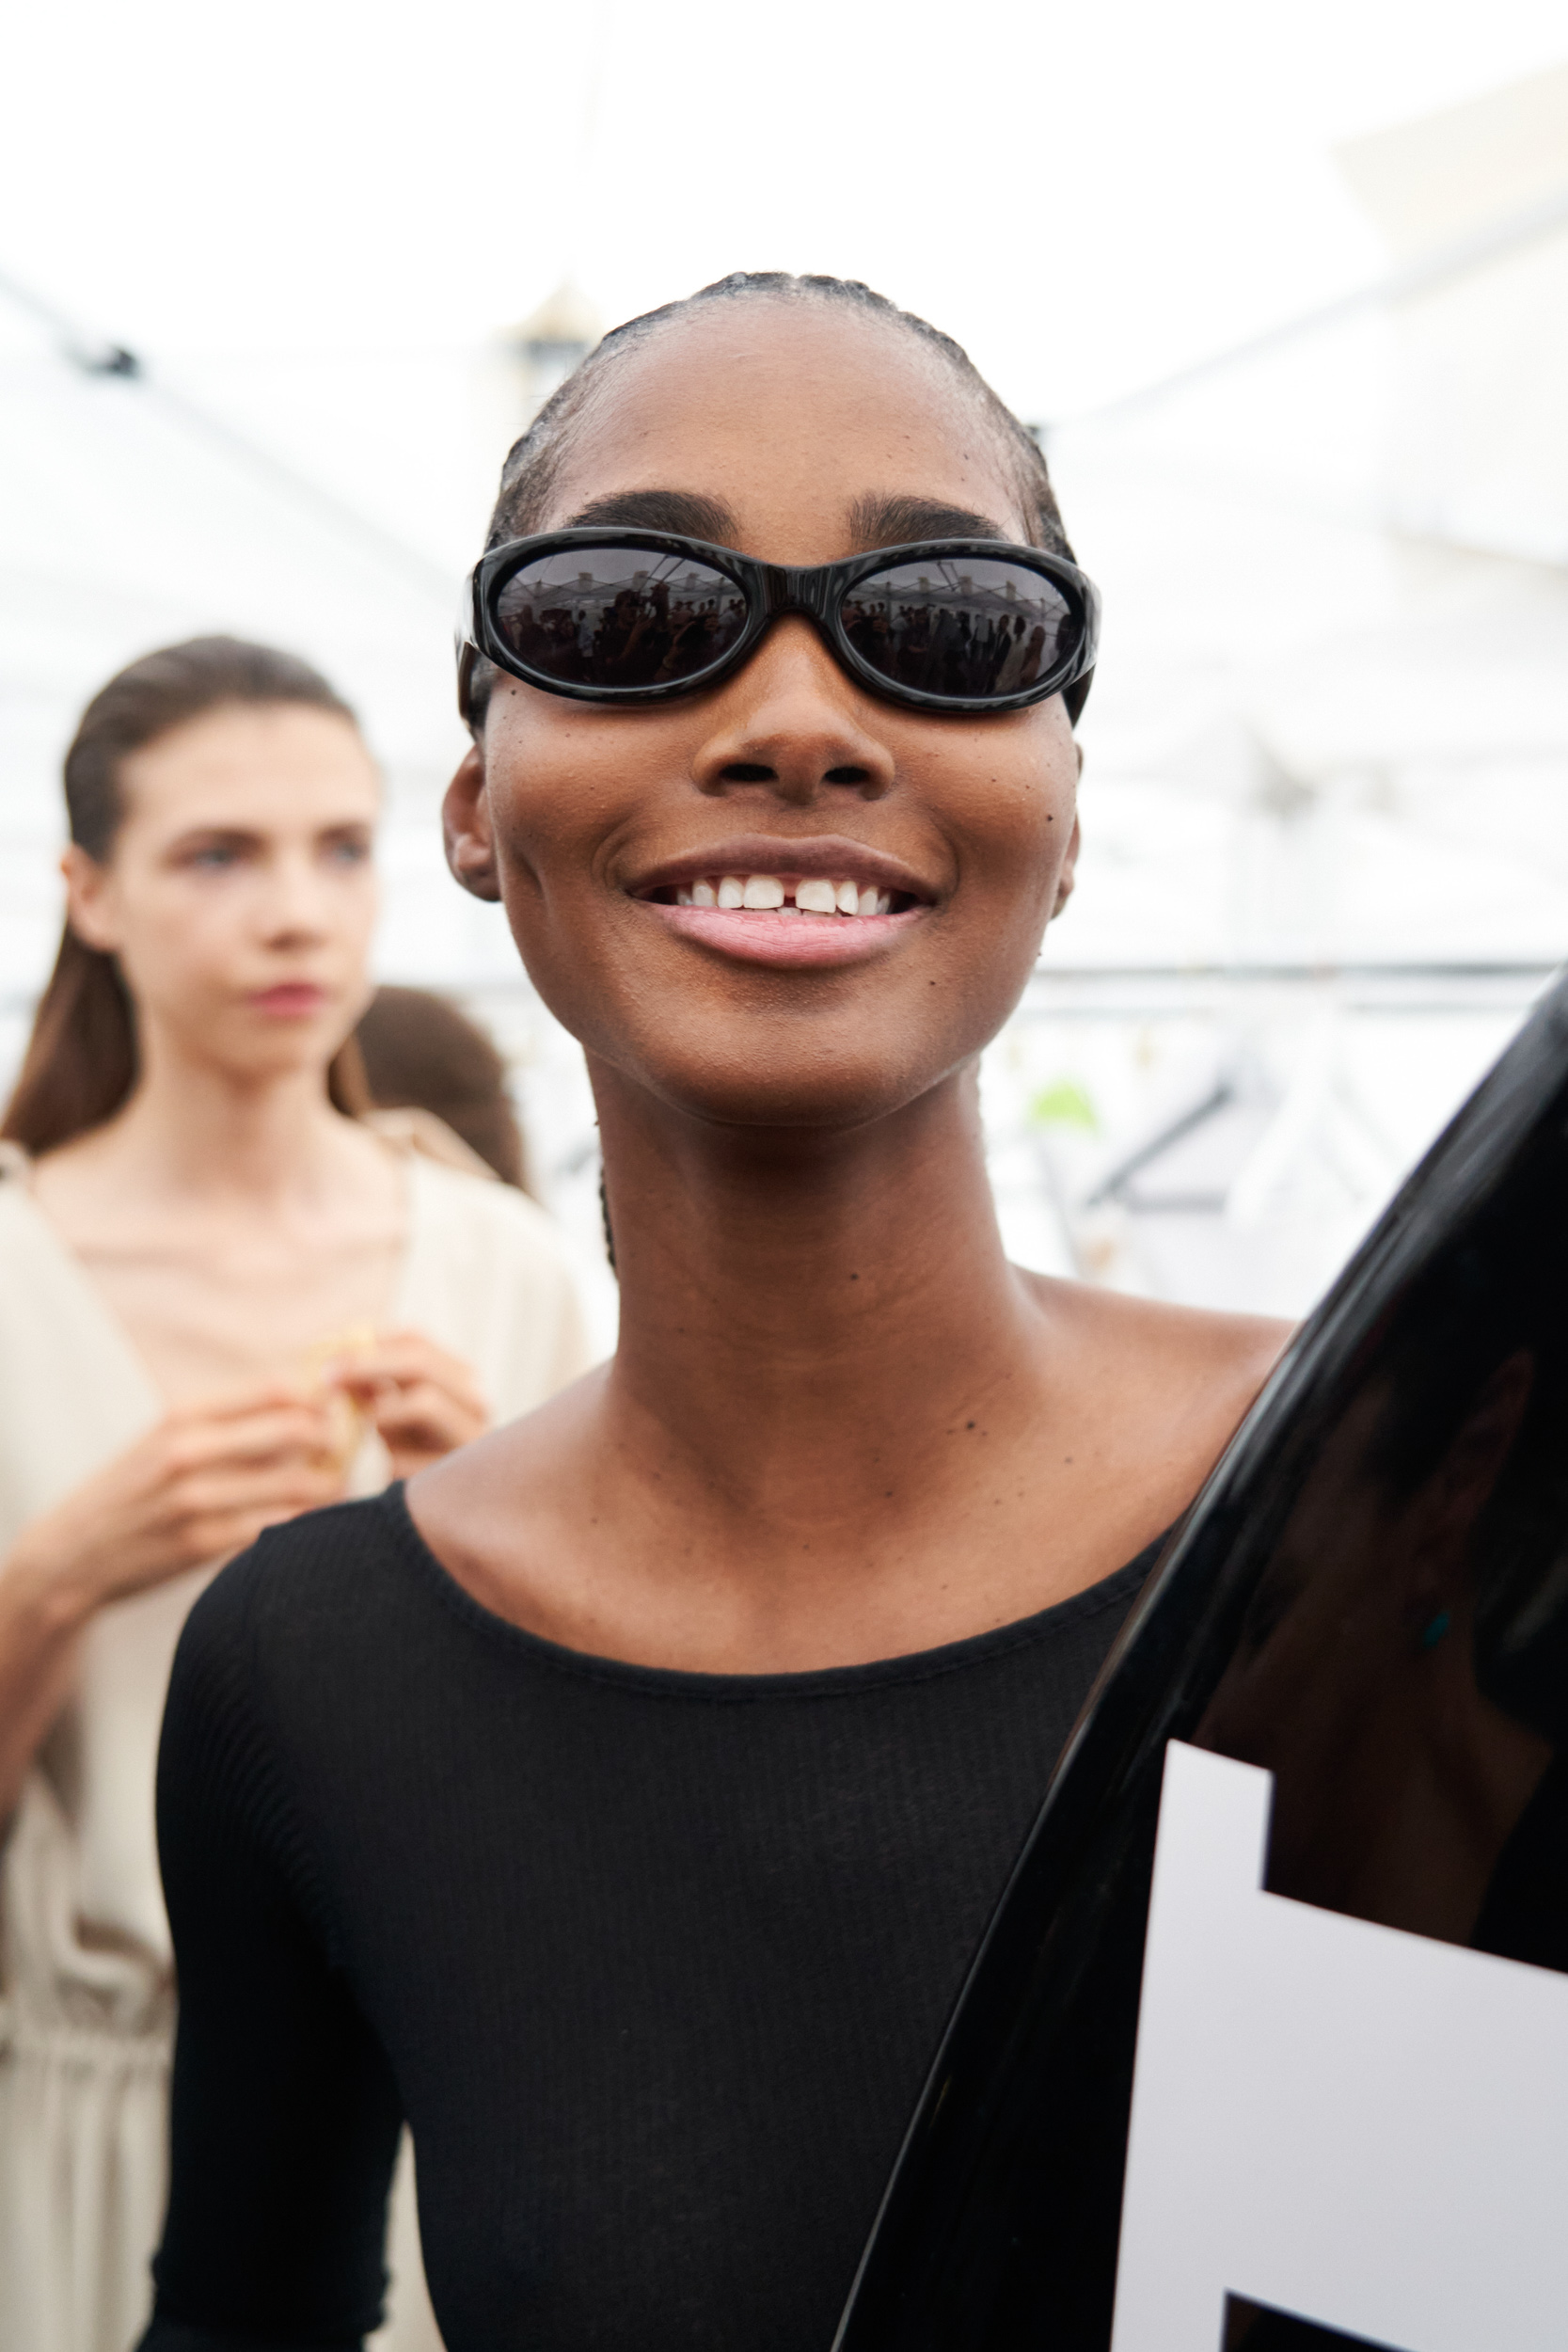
<point>240,897</point>
<point>799,435</point>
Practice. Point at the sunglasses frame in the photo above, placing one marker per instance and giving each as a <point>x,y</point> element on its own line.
<point>771,589</point>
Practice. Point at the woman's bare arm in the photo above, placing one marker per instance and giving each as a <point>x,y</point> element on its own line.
<point>199,1487</point>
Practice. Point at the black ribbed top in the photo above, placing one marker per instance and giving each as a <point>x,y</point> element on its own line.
<point>654,1963</point>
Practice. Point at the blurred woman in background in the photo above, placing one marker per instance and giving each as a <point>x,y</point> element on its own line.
<point>224,1299</point>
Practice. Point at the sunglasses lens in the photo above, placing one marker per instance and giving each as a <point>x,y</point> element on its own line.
<point>623,618</point>
<point>961,625</point>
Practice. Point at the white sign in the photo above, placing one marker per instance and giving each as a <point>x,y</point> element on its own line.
<point>1364,2127</point>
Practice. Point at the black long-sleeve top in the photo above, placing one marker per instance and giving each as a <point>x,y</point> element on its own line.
<point>654,1963</point>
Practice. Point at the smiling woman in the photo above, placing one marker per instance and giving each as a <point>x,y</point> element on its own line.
<point>690,1726</point>
<point>223,1299</point>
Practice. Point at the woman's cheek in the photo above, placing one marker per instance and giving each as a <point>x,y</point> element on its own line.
<point>359,908</point>
<point>538,818</point>
<point>167,944</point>
<point>1020,853</point>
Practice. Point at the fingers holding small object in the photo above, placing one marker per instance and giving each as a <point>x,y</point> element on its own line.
<point>404,1357</point>
<point>408,1384</point>
<point>426,1416</point>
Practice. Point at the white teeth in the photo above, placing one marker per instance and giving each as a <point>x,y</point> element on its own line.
<point>765,894</point>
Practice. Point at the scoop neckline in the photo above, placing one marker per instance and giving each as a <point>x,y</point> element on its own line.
<point>812,1682</point>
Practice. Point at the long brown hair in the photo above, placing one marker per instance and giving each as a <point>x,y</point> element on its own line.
<point>81,1062</point>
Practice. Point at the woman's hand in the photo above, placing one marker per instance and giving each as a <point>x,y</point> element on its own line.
<point>199,1487</point>
<point>422,1401</point>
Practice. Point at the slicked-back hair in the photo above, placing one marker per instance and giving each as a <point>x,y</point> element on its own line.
<point>528,477</point>
<point>533,462</point>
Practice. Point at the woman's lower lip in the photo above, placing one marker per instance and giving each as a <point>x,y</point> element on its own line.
<point>789,940</point>
<point>290,1002</point>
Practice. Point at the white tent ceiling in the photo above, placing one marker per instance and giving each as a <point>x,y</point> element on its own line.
<point>1330,725</point>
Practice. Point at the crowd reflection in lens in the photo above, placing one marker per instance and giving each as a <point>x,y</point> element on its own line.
<point>628,621</point>
<point>614,619</point>
<point>971,631</point>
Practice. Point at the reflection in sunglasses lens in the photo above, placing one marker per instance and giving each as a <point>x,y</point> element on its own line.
<point>962,625</point>
<point>620,617</point>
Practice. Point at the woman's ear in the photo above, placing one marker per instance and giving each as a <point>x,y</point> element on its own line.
<point>466,831</point>
<point>1066,879</point>
<point>88,900</point>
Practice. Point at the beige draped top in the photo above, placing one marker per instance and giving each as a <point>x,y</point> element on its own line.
<point>87,1996</point>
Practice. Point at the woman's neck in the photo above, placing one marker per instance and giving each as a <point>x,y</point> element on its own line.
<point>231,1227</point>
<point>194,1131</point>
<point>806,1305</point>
<point>838,1425</point>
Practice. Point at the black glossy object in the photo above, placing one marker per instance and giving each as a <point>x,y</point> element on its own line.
<point>1370,1600</point>
<point>622,616</point>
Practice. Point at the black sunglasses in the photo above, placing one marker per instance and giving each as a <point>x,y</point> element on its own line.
<point>637,616</point>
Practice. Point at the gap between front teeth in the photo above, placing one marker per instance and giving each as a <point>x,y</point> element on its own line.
<point>765,894</point>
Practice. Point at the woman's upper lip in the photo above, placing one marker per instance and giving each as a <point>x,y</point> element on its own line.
<point>830,856</point>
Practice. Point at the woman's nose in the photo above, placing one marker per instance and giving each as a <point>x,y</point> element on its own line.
<point>295,902</point>
<point>793,723</point>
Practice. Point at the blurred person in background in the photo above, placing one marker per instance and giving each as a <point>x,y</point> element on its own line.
<point>224,1298</point>
<point>435,1076</point>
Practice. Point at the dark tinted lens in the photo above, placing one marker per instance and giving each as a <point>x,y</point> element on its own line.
<point>966,626</point>
<point>619,618</point>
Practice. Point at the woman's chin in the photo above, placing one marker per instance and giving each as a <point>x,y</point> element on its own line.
<point>283,1052</point>
<point>762,1093</point>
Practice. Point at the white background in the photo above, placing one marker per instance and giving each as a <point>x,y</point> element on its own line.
<point>315,222</point>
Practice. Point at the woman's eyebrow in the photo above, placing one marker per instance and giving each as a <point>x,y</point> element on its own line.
<point>684,511</point>
<point>891,522</point>
<point>215,836</point>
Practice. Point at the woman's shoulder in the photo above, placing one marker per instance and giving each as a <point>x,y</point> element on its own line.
<point>43,1278</point>
<point>1204,1338</point>
<point>323,1586</point>
<point>1163,1376</point>
<point>1161,1331</point>
<point>324,1663</point>
<point>493,1277</point>
<point>289,1699</point>
<point>34,1271</point>
<point>456,1202</point>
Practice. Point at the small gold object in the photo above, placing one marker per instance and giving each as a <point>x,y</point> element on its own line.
<point>349,1417</point>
